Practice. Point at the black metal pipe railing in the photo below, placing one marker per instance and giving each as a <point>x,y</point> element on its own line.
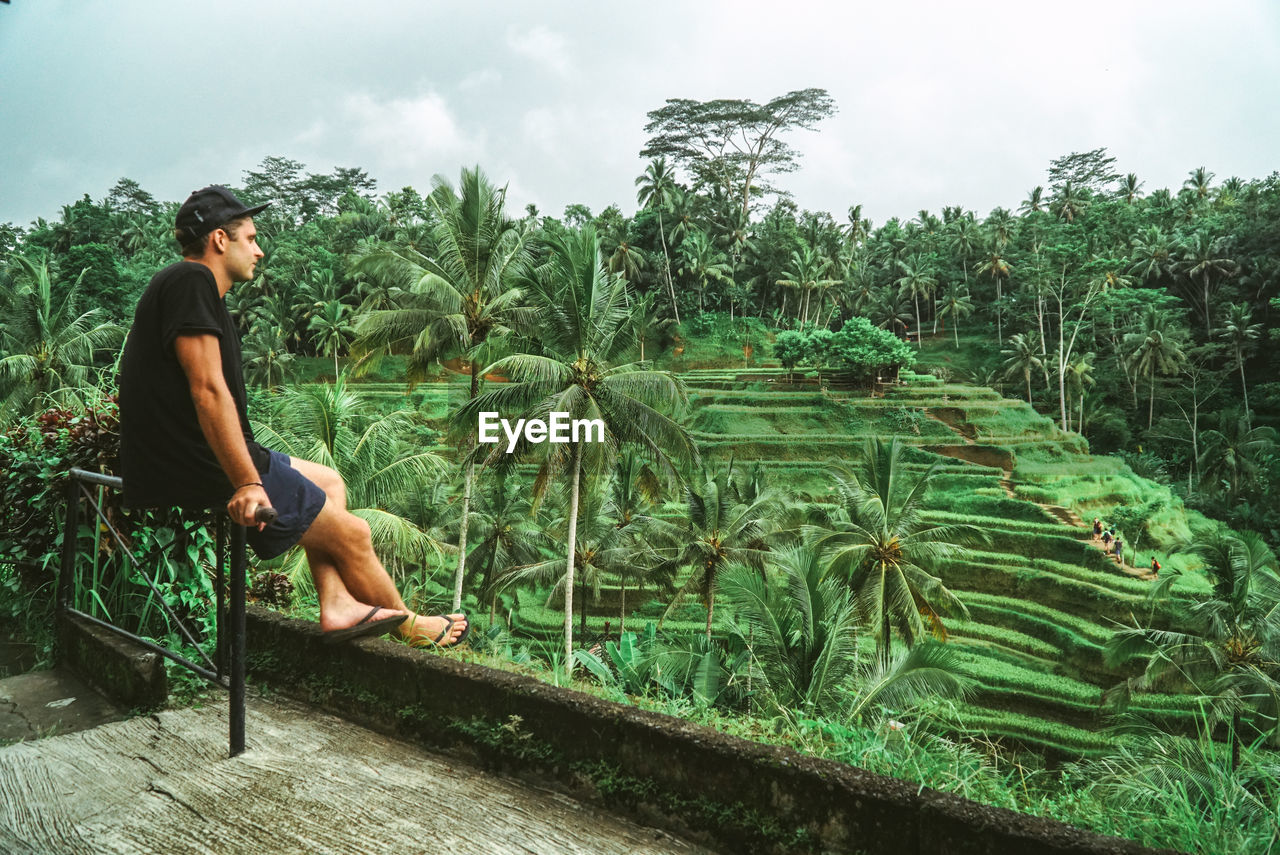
<point>227,667</point>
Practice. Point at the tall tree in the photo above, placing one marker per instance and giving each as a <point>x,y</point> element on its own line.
<point>887,553</point>
<point>1155,349</point>
<point>732,143</point>
<point>1240,336</point>
<point>46,347</point>
<point>456,302</point>
<point>584,369</point>
<point>657,190</point>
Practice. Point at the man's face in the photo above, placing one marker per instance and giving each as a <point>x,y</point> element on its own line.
<point>243,252</point>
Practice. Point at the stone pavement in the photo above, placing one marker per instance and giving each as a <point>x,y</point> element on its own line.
<point>44,703</point>
<point>308,783</point>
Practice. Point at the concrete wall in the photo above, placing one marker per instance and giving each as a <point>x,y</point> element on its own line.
<point>731,794</point>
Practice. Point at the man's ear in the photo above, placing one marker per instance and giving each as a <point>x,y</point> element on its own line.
<point>219,241</point>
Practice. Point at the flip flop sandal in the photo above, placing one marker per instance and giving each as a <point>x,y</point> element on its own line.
<point>365,627</point>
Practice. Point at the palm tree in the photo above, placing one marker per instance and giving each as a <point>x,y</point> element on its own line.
<point>998,269</point>
<point>645,321</point>
<point>1155,348</point>
<point>657,191</point>
<point>885,551</point>
<point>1230,456</point>
<point>719,530</point>
<point>1153,253</point>
<point>1206,259</point>
<point>331,330</point>
<point>1021,357</point>
<point>45,347</point>
<point>456,302</point>
<point>266,356</point>
<point>807,274</point>
<point>1080,375</point>
<point>1034,202</point>
<point>510,534</point>
<point>703,262</point>
<point>334,426</point>
<point>584,370</point>
<point>1069,202</point>
<point>1240,336</point>
<point>956,305</point>
<point>917,280</point>
<point>1130,188</point>
<point>1199,182</point>
<point>1227,645</point>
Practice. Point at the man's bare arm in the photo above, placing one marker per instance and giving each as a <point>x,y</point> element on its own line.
<point>201,359</point>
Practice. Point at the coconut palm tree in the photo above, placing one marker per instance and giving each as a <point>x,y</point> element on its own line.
<point>1240,335</point>
<point>1021,357</point>
<point>1035,201</point>
<point>995,266</point>
<point>1130,189</point>
<point>584,369</point>
<point>1230,457</point>
<point>266,356</point>
<point>703,263</point>
<point>806,274</point>
<point>1155,349</point>
<point>1226,647</point>
<point>886,553</point>
<point>917,280</point>
<point>331,330</point>
<point>334,426</point>
<point>719,530</point>
<point>1199,182</point>
<point>1079,376</point>
<point>657,190</point>
<point>45,346</point>
<point>956,304</point>
<point>456,302</point>
<point>1204,258</point>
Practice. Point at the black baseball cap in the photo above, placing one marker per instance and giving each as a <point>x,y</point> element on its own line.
<point>211,208</point>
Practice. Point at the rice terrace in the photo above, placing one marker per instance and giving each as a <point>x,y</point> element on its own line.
<point>981,503</point>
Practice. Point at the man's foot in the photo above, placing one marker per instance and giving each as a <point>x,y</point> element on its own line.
<point>370,625</point>
<point>345,615</point>
<point>435,630</point>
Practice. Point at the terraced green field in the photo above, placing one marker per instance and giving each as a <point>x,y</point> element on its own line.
<point>1042,599</point>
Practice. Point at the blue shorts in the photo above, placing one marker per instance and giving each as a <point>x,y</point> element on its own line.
<point>297,502</point>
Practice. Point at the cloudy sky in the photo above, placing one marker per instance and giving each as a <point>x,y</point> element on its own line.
<point>939,102</point>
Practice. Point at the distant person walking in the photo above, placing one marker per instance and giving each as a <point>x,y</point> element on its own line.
<point>1106,541</point>
<point>1155,568</point>
<point>1097,528</point>
<point>1119,550</point>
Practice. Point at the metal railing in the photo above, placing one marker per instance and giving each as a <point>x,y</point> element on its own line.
<point>226,668</point>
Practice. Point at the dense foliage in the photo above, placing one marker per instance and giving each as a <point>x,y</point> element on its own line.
<point>1138,324</point>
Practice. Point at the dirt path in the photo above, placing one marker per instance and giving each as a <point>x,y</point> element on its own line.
<point>308,783</point>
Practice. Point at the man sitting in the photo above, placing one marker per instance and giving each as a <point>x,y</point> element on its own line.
<point>185,438</point>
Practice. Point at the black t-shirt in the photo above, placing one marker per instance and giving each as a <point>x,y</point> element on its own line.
<point>164,457</point>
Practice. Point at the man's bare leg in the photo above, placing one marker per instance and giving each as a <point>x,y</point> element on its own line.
<point>342,541</point>
<point>338,608</point>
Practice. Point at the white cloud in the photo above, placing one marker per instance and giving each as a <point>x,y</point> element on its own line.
<point>542,45</point>
<point>481,78</point>
<point>405,132</point>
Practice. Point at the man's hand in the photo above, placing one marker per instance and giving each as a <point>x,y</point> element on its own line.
<point>244,505</point>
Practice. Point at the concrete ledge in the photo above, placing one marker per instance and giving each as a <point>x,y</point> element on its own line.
<point>727,793</point>
<point>128,674</point>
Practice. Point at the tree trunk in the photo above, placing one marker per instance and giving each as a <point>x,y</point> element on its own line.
<point>1151,407</point>
<point>919,337</point>
<point>622,617</point>
<point>574,471</point>
<point>999,316</point>
<point>711,608</point>
<point>468,482</point>
<point>671,288</point>
<point>1244,390</point>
